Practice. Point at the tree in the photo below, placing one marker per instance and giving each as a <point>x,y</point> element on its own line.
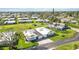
<point>12,41</point>
<point>16,20</point>
<point>1,21</point>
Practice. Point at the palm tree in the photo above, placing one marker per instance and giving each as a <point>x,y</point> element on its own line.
<point>13,39</point>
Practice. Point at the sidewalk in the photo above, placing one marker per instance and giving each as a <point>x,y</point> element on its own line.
<point>75,29</point>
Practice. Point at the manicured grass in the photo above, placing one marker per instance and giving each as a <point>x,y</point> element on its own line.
<point>73,25</point>
<point>20,27</point>
<point>5,48</point>
<point>69,46</point>
<point>61,35</point>
<point>23,44</point>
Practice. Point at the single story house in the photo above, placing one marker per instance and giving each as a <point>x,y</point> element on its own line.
<point>23,18</point>
<point>23,21</point>
<point>10,19</point>
<point>10,22</point>
<point>74,22</point>
<point>64,20</point>
<point>42,20</point>
<point>62,26</point>
<point>59,26</point>
<point>34,17</point>
<point>45,32</point>
<point>30,35</point>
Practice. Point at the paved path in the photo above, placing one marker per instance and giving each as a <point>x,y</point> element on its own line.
<point>75,29</point>
<point>44,41</point>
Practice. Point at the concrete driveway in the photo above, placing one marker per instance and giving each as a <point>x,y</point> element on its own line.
<point>44,41</point>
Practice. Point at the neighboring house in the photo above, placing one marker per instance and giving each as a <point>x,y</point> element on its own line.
<point>64,20</point>
<point>23,21</point>
<point>50,16</point>
<point>23,18</point>
<point>10,19</point>
<point>42,20</point>
<point>9,22</point>
<point>73,22</point>
<point>6,37</point>
<point>34,17</point>
<point>59,26</point>
<point>45,32</point>
<point>30,35</point>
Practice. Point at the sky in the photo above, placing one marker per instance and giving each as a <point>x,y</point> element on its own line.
<point>36,9</point>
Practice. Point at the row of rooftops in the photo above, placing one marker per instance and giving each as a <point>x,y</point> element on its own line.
<point>21,20</point>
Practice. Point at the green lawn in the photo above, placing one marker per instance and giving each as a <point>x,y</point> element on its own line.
<point>21,27</point>
<point>69,46</point>
<point>61,35</point>
<point>23,44</point>
<point>73,25</point>
<point>5,48</point>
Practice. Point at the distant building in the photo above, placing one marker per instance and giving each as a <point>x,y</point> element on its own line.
<point>9,19</point>
<point>59,26</point>
<point>73,22</point>
<point>9,22</point>
<point>64,20</point>
<point>42,20</point>
<point>34,17</point>
<point>23,18</point>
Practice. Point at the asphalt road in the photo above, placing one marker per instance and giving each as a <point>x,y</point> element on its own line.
<point>57,43</point>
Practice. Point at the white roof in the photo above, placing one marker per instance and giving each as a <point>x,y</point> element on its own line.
<point>24,18</point>
<point>9,22</point>
<point>11,19</point>
<point>73,21</point>
<point>34,17</point>
<point>57,25</point>
<point>65,19</point>
<point>29,33</point>
<point>43,20</point>
<point>43,31</point>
